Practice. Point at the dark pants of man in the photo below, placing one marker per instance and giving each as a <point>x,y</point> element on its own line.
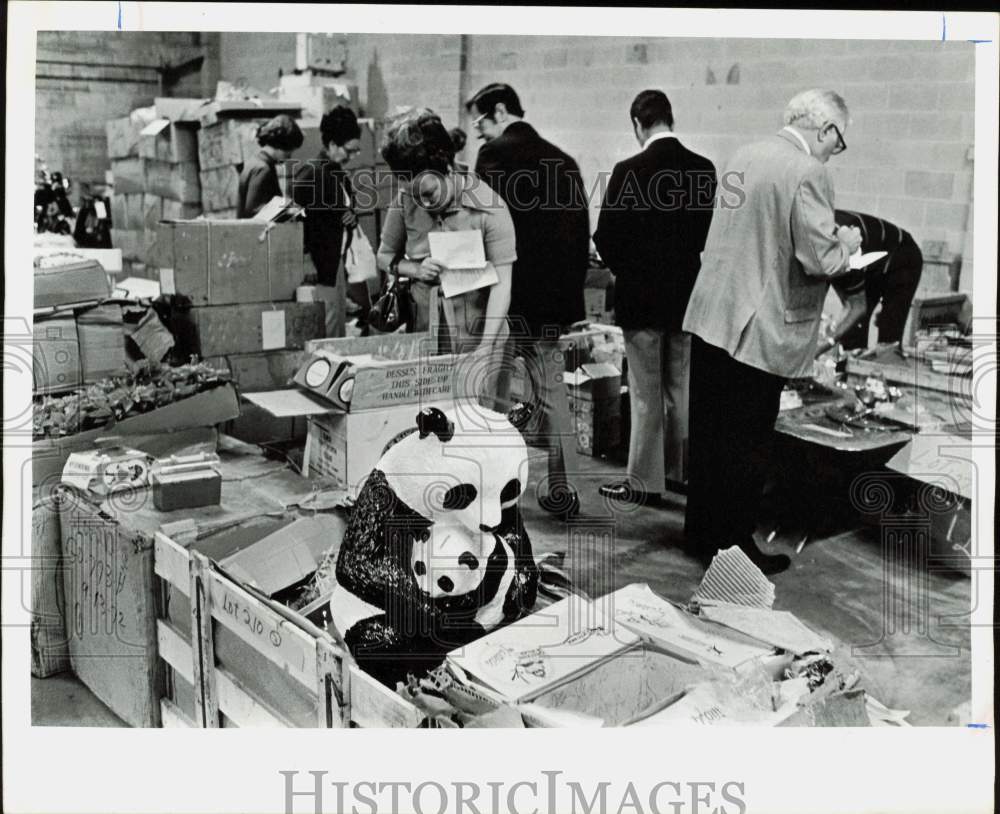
<point>894,285</point>
<point>732,412</point>
<point>551,425</point>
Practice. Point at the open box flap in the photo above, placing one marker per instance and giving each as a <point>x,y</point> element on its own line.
<point>155,127</point>
<point>288,555</point>
<point>290,403</point>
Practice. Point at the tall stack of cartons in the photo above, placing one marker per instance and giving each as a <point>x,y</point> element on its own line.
<point>226,140</point>
<point>154,162</point>
<point>240,277</point>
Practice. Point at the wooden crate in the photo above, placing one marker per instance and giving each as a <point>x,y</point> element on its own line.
<point>239,659</point>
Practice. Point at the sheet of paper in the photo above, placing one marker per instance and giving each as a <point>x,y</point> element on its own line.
<point>860,261</point>
<point>459,281</point>
<point>288,403</point>
<point>272,330</point>
<point>544,649</point>
<point>462,249</point>
<point>101,211</point>
<point>655,620</point>
<point>779,628</point>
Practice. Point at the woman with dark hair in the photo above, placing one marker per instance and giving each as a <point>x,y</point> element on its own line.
<point>278,139</point>
<point>434,197</point>
<point>322,187</point>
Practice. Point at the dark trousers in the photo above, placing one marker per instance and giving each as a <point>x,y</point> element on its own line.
<point>894,285</point>
<point>732,412</point>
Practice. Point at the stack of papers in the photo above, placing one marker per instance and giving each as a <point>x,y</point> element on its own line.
<point>524,660</point>
<point>734,579</point>
<point>464,255</point>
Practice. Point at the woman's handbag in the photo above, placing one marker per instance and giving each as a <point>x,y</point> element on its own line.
<point>394,308</point>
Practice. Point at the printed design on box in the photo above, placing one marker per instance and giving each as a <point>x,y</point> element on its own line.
<point>435,554</point>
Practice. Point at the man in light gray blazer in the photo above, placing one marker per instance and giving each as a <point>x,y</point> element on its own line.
<point>754,314</point>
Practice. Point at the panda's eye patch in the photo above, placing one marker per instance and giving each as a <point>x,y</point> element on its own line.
<point>510,491</point>
<point>459,497</point>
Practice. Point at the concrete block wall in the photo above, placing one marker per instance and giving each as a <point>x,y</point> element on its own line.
<point>909,144</point>
<point>84,78</point>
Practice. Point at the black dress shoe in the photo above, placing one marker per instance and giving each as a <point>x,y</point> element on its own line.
<point>626,493</point>
<point>563,503</point>
<point>767,563</point>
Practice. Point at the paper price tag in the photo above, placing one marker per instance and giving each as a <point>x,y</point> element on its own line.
<point>167,282</point>
<point>101,210</point>
<point>272,330</point>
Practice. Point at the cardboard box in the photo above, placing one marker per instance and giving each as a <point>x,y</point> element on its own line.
<point>254,372</point>
<point>129,175</point>
<point>102,342</point>
<point>220,109</point>
<point>165,141</point>
<point>344,447</point>
<point>49,646</point>
<point>225,262</point>
<point>377,371</point>
<point>227,143</point>
<point>157,432</point>
<point>220,188</point>
<point>219,330</point>
<point>79,280</point>
<point>594,391</point>
<point>123,137</point>
<point>56,354</point>
<point>178,182</point>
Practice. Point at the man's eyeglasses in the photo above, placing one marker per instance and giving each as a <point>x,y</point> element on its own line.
<point>841,144</point>
<point>478,121</point>
<point>352,151</point>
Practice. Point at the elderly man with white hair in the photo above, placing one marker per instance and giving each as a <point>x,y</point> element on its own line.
<point>771,252</point>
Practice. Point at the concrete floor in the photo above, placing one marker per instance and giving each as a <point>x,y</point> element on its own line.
<point>836,585</point>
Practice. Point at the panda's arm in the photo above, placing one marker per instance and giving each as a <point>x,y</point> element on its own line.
<point>374,559</point>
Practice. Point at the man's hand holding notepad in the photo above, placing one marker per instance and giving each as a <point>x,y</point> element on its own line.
<point>464,256</point>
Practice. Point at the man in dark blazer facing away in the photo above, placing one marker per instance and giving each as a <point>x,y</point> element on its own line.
<point>651,230</point>
<point>544,192</point>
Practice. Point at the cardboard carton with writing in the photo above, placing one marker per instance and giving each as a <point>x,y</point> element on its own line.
<point>219,330</point>
<point>216,262</point>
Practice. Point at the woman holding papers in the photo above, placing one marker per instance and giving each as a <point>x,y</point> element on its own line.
<point>447,231</point>
<point>278,139</point>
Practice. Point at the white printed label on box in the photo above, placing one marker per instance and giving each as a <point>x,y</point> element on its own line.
<point>167,282</point>
<point>272,330</point>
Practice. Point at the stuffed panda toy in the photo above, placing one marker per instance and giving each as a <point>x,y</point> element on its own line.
<point>435,553</point>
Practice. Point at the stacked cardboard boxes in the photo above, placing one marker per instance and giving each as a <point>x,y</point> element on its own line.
<point>240,278</point>
<point>593,378</point>
<point>154,162</point>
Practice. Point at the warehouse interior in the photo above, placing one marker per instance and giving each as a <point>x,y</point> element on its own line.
<point>900,625</point>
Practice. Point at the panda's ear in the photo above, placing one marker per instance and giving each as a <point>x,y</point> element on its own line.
<point>520,414</point>
<point>432,420</point>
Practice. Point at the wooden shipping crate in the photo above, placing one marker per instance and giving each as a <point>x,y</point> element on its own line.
<point>239,659</point>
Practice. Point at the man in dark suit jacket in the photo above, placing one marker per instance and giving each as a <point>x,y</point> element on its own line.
<point>652,228</point>
<point>544,192</point>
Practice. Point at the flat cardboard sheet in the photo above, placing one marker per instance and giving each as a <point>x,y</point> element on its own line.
<point>779,628</point>
<point>943,460</point>
<point>289,403</point>
<point>860,261</point>
<point>288,555</point>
